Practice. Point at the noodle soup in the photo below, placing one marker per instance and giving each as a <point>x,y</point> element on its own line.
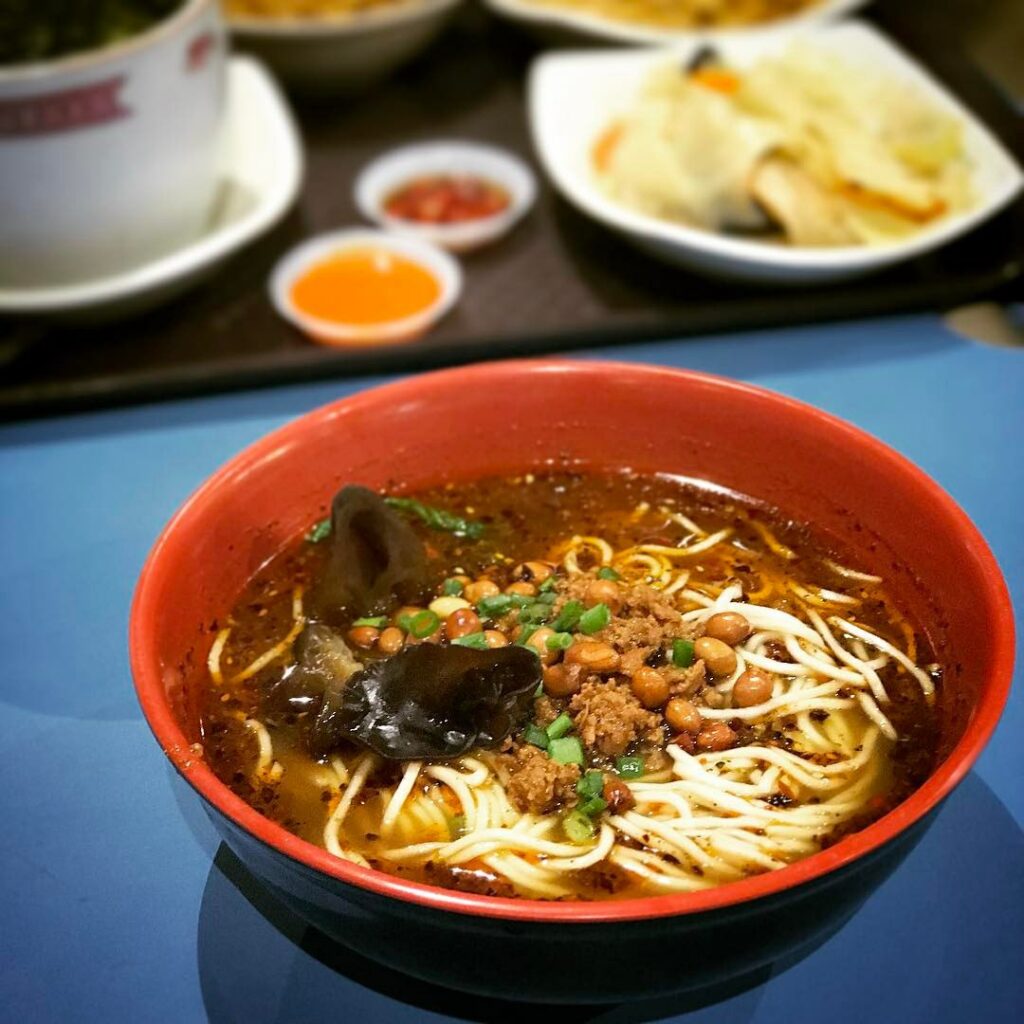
<point>568,687</point>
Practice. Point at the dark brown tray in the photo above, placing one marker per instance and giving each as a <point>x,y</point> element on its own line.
<point>558,282</point>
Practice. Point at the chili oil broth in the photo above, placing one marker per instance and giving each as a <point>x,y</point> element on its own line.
<point>526,518</point>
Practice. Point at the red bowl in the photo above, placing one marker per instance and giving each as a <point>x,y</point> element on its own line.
<point>507,417</point>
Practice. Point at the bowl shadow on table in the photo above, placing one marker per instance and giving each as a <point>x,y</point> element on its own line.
<point>259,962</point>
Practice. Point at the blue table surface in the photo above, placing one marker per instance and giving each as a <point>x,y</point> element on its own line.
<point>111,904</point>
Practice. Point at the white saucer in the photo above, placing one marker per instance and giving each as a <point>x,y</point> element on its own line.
<point>261,168</point>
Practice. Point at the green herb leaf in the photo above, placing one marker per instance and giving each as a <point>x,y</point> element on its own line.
<point>629,767</point>
<point>319,531</point>
<point>452,587</point>
<point>593,807</point>
<point>439,518</point>
<point>593,620</point>
<point>682,653</point>
<point>475,640</point>
<point>606,572</point>
<point>568,617</point>
<point>536,735</point>
<point>560,726</point>
<point>377,621</point>
<point>566,750</point>
<point>578,828</point>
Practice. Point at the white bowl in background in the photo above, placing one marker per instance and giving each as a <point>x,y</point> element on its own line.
<point>574,95</point>
<point>388,173</point>
<point>338,54</point>
<point>328,332</point>
<point>108,156</point>
<point>566,22</point>
<point>259,171</point>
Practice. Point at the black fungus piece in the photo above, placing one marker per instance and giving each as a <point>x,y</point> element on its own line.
<point>705,56</point>
<point>323,665</point>
<point>430,701</point>
<point>375,558</point>
<point>656,658</point>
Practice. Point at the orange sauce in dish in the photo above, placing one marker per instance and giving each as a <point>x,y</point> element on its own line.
<point>365,286</point>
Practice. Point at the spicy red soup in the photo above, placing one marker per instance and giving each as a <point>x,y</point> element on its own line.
<point>568,687</point>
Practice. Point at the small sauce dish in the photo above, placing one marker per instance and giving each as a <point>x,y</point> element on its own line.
<point>463,170</point>
<point>364,287</point>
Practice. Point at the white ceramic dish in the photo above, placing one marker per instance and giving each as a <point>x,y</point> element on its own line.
<point>573,96</point>
<point>566,22</point>
<point>383,176</point>
<point>327,332</point>
<point>260,169</point>
<point>343,54</point>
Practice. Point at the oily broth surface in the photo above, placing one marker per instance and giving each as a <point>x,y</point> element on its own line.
<point>526,517</point>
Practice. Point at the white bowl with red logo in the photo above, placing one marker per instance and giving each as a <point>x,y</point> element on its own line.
<point>259,171</point>
<point>108,157</point>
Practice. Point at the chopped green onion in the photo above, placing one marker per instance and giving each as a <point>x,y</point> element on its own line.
<point>559,641</point>
<point>319,531</point>
<point>591,784</point>
<point>452,587</point>
<point>524,635</point>
<point>495,606</point>
<point>439,518</point>
<point>595,619</point>
<point>547,586</point>
<point>549,597</point>
<point>421,625</point>
<point>606,572</point>
<point>560,726</point>
<point>535,612</point>
<point>536,735</point>
<point>567,617</point>
<point>682,653</point>
<point>578,827</point>
<point>475,640</point>
<point>593,807</point>
<point>629,767</point>
<point>566,750</point>
<point>539,692</point>
<point>377,621</point>
<point>457,826</point>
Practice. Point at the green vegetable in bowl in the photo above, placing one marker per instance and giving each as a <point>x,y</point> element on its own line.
<point>36,30</point>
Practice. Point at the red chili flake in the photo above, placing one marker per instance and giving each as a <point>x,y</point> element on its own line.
<point>447,199</point>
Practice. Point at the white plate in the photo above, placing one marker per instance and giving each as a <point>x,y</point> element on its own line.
<point>598,26</point>
<point>261,169</point>
<point>574,95</point>
<point>383,176</point>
